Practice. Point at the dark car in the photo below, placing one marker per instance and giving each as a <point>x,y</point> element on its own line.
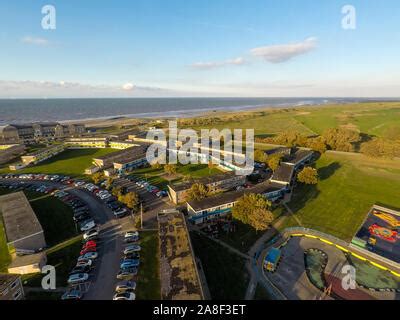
<point>80,269</point>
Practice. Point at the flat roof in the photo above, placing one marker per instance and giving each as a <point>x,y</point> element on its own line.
<point>298,155</point>
<point>284,173</point>
<point>205,180</point>
<point>119,153</point>
<point>130,158</point>
<point>233,196</point>
<point>19,218</point>
<point>6,279</point>
<point>27,260</point>
<point>55,146</point>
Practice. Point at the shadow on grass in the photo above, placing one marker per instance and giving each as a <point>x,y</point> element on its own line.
<point>328,171</point>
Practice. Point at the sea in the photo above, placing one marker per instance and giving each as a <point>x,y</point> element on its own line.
<point>17,111</point>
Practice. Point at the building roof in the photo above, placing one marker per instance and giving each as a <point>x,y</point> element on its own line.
<point>283,150</point>
<point>297,155</point>
<point>215,201</point>
<point>121,153</point>
<point>6,279</point>
<point>284,173</point>
<point>130,158</point>
<point>20,220</point>
<point>37,152</point>
<point>233,196</point>
<point>205,181</point>
<point>27,260</point>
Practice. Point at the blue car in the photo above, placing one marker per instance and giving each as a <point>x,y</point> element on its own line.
<point>129,263</point>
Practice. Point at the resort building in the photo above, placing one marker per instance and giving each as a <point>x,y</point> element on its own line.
<point>284,174</point>
<point>9,152</point>
<point>298,158</point>
<point>108,160</point>
<point>71,130</point>
<point>142,137</point>
<point>87,143</point>
<point>221,205</point>
<point>34,132</point>
<point>220,182</point>
<point>43,154</point>
<point>11,287</point>
<point>130,163</point>
<point>122,144</point>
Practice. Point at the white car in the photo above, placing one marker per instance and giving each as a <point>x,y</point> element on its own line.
<point>90,234</point>
<point>88,256</point>
<point>88,226</point>
<point>105,196</point>
<point>78,278</point>
<point>120,212</point>
<point>84,263</point>
<point>131,234</point>
<point>125,296</point>
<point>132,248</point>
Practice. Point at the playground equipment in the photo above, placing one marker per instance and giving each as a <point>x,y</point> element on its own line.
<point>388,218</point>
<point>383,233</point>
<point>272,259</point>
<point>372,241</point>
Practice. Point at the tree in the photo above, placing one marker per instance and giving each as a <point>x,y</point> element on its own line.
<point>341,139</point>
<point>109,183</point>
<point>274,161</point>
<point>379,147</point>
<point>260,156</point>
<point>170,169</point>
<point>317,144</point>
<point>260,219</point>
<point>117,191</point>
<point>97,177</point>
<point>131,200</point>
<point>246,206</point>
<point>308,176</point>
<point>156,166</point>
<point>197,191</point>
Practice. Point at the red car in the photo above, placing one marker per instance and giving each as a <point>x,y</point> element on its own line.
<point>86,250</point>
<point>89,244</point>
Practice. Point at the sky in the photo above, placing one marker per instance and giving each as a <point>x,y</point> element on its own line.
<point>200,48</point>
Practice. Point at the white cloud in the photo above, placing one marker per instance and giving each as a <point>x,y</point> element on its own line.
<point>35,41</point>
<point>217,64</point>
<point>285,52</point>
<point>128,86</point>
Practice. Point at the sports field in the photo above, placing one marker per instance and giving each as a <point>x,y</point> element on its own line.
<point>349,186</point>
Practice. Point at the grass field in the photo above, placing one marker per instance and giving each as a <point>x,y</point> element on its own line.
<point>371,118</point>
<point>349,186</point>
<point>148,284</point>
<point>71,162</point>
<point>225,272</point>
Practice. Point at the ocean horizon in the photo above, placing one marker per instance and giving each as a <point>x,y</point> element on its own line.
<point>17,111</point>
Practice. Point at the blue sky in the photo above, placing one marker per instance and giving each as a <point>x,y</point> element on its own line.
<point>199,48</point>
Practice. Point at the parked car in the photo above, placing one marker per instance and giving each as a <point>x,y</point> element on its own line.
<point>125,296</point>
<point>84,262</point>
<point>87,250</point>
<point>127,274</point>
<point>87,225</point>
<point>78,278</point>
<point>89,244</point>
<point>91,234</point>
<point>126,264</point>
<point>72,295</point>
<point>124,286</point>
<point>129,234</point>
<point>132,248</point>
<point>121,213</point>
<point>89,255</point>
<point>132,239</point>
<point>80,269</point>
<point>133,255</point>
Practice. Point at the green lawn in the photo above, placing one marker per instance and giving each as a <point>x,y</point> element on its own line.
<point>70,162</point>
<point>158,178</point>
<point>63,257</point>
<point>348,188</point>
<point>148,283</point>
<point>5,257</point>
<point>225,272</point>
